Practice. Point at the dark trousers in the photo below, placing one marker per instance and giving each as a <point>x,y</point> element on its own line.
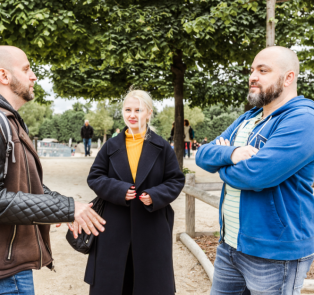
<point>87,144</point>
<point>188,148</point>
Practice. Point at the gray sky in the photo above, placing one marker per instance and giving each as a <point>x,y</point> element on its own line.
<point>61,105</point>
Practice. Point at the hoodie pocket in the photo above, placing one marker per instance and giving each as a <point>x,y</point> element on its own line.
<point>259,217</point>
<point>276,215</point>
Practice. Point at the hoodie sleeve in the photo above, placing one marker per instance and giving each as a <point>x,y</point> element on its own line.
<point>287,150</point>
<point>212,157</point>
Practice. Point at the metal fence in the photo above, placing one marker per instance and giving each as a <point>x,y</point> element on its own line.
<point>52,149</point>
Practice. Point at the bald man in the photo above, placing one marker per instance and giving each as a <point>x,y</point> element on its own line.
<point>27,207</point>
<point>266,160</point>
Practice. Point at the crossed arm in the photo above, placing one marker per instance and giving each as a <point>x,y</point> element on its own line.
<point>288,149</point>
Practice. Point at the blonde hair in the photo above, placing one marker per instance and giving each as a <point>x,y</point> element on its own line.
<point>145,100</point>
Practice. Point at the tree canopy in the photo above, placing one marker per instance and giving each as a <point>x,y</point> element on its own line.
<point>199,50</point>
<point>34,115</point>
<point>100,119</point>
<point>165,118</point>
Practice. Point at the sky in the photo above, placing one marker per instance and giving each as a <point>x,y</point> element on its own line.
<point>61,105</point>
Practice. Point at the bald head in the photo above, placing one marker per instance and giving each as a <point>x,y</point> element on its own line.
<point>10,56</point>
<point>16,77</point>
<point>283,58</point>
<point>274,75</point>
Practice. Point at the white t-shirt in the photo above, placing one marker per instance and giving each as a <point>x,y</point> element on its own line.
<point>187,134</point>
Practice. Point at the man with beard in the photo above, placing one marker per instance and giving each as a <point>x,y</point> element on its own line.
<point>266,160</point>
<point>27,207</point>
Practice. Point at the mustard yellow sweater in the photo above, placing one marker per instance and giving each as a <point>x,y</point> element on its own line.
<point>134,149</point>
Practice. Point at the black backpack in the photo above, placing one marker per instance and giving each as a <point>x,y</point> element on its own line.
<point>191,133</point>
<point>6,133</point>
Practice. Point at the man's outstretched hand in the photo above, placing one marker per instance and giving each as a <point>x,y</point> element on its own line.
<point>87,219</point>
<point>240,153</point>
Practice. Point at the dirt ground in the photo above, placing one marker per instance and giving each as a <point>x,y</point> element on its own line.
<point>68,176</point>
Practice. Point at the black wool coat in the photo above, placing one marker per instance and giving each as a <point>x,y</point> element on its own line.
<point>146,230</point>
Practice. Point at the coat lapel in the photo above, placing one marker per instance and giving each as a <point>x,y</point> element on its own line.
<point>121,166</point>
<point>119,158</point>
<point>150,152</point>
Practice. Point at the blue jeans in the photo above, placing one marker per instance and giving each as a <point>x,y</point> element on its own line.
<point>87,143</point>
<point>18,284</point>
<point>235,271</point>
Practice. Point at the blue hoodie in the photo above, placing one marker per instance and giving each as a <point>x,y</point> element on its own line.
<point>276,204</point>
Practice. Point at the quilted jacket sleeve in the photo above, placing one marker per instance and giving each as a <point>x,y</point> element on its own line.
<point>27,209</point>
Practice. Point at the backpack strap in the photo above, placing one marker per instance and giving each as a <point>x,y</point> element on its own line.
<point>7,135</point>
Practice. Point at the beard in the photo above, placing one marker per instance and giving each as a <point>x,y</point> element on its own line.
<point>266,97</point>
<point>20,90</point>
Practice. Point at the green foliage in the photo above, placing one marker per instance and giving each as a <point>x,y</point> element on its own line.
<point>63,127</point>
<point>187,171</point>
<point>218,39</point>
<point>100,119</point>
<point>34,114</point>
<point>115,112</point>
<point>217,119</point>
<point>217,234</point>
<point>70,124</point>
<point>194,115</point>
<point>50,128</point>
<point>165,118</point>
<point>40,95</point>
<point>163,122</point>
<point>97,49</point>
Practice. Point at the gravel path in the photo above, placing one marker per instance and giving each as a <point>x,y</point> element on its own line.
<point>68,176</point>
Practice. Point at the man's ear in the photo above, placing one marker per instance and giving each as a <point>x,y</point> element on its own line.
<point>290,76</point>
<point>4,76</point>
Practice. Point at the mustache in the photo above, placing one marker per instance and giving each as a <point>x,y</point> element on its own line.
<point>255,84</point>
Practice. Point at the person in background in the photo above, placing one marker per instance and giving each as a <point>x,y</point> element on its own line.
<point>187,137</point>
<point>204,141</point>
<point>194,147</point>
<point>116,133</point>
<point>87,133</point>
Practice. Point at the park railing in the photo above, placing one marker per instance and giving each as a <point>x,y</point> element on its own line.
<point>200,191</point>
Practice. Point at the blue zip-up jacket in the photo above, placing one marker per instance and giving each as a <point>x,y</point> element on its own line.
<point>276,202</point>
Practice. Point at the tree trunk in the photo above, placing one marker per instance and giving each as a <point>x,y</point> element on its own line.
<point>270,25</point>
<point>105,137</point>
<point>178,69</point>
<point>270,32</point>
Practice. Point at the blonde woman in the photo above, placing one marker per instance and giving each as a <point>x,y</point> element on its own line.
<point>138,176</point>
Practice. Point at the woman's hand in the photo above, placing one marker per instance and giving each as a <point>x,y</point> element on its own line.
<point>146,199</point>
<point>131,194</point>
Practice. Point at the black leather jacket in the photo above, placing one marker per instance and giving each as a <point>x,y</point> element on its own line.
<point>23,208</point>
<point>87,132</point>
